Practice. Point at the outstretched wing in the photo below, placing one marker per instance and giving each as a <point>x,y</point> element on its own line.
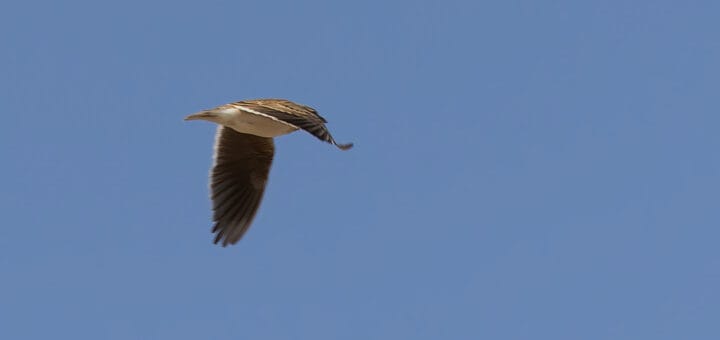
<point>237,181</point>
<point>301,116</point>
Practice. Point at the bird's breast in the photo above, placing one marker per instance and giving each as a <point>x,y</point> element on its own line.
<point>259,125</point>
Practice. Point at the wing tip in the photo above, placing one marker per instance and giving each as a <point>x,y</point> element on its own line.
<point>221,236</point>
<point>225,240</point>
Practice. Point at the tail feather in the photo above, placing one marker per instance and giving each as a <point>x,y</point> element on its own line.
<point>343,147</point>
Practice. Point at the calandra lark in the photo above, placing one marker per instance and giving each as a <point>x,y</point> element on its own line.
<point>244,151</point>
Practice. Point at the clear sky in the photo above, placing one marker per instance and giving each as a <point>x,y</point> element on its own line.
<point>522,170</point>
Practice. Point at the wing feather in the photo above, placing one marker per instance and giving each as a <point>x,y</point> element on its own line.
<point>237,183</point>
<point>301,116</point>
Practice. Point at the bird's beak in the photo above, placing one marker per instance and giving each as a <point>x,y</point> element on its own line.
<point>202,115</point>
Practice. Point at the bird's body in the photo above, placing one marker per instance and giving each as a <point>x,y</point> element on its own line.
<point>242,119</point>
<point>244,150</point>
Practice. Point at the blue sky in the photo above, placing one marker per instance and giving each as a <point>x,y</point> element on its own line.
<point>522,170</point>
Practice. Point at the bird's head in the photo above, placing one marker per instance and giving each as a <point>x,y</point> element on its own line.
<point>210,116</point>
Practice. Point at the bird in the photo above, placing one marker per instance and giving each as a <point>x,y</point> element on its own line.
<point>243,154</point>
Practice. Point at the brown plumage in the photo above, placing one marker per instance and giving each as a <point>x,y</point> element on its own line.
<point>244,152</point>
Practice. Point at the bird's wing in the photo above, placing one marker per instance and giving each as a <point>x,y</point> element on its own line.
<point>301,116</point>
<point>237,183</point>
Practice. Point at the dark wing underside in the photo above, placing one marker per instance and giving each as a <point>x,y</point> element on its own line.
<point>301,116</point>
<point>237,182</point>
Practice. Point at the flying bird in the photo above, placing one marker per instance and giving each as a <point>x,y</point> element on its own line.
<point>244,150</point>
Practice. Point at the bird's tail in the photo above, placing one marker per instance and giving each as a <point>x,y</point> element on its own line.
<point>343,147</point>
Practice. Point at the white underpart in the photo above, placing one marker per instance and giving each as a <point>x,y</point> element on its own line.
<point>253,122</point>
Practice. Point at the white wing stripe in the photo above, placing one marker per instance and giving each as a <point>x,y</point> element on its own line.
<point>242,108</point>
